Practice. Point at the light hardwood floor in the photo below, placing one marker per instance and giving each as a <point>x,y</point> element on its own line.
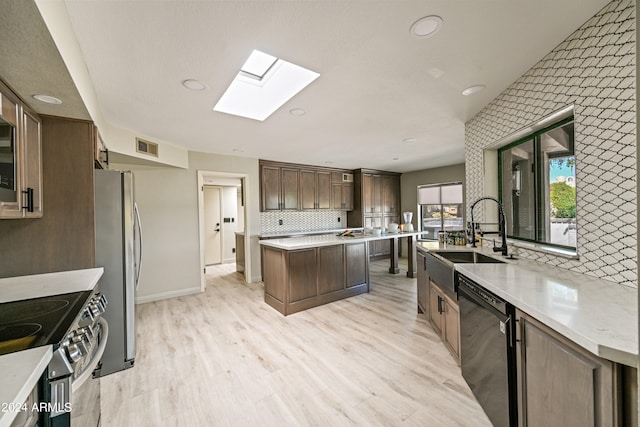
<point>225,358</point>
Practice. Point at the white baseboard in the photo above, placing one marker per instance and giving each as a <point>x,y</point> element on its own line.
<point>168,295</point>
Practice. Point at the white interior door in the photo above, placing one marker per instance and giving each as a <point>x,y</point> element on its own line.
<point>212,226</point>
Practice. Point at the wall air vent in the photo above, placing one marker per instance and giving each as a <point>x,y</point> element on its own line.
<point>146,147</point>
<point>347,177</point>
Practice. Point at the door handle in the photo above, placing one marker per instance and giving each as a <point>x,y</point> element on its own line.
<point>440,304</point>
<point>217,229</point>
<point>29,195</point>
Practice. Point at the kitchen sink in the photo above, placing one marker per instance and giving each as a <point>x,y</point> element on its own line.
<point>467,257</point>
<point>440,266</point>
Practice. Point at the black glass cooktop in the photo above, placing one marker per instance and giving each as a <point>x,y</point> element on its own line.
<point>40,321</point>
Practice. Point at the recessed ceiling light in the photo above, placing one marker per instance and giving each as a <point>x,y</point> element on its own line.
<point>297,112</point>
<point>194,84</point>
<point>409,140</point>
<point>426,26</point>
<point>48,99</point>
<point>263,84</point>
<point>473,89</point>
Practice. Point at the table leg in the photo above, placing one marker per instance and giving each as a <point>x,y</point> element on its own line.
<point>411,257</point>
<point>393,269</point>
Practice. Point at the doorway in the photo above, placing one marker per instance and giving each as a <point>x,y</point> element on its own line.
<point>223,222</point>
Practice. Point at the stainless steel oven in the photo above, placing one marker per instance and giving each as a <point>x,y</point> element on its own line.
<point>72,324</point>
<point>69,387</point>
<point>487,350</point>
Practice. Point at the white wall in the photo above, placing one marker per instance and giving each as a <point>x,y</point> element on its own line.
<point>169,217</point>
<point>123,141</point>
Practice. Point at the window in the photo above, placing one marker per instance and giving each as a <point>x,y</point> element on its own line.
<point>537,178</point>
<point>440,209</point>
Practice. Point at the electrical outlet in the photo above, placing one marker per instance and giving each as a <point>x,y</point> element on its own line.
<point>233,250</point>
<point>338,219</point>
<point>280,222</point>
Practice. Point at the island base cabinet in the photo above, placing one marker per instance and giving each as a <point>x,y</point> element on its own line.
<point>303,274</point>
<point>357,263</point>
<point>274,275</point>
<point>330,278</point>
<point>562,384</point>
<point>296,280</point>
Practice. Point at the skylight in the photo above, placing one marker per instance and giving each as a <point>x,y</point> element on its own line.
<point>263,84</point>
<point>258,64</point>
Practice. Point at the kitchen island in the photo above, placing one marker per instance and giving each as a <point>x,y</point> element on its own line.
<point>304,272</point>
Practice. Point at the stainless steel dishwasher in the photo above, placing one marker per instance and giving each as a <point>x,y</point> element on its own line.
<point>487,350</point>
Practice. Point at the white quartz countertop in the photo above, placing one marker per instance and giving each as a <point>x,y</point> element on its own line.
<point>20,372</point>
<point>305,242</point>
<point>600,316</point>
<point>281,234</point>
<point>42,285</point>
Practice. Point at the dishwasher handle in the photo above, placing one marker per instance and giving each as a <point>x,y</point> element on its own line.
<point>509,331</point>
<point>470,295</point>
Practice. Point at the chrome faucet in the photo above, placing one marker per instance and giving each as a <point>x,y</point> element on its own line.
<point>501,224</point>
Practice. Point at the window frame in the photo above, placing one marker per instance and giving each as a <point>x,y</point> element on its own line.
<point>442,205</point>
<point>539,179</point>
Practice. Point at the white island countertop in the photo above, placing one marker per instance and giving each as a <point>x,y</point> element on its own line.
<point>21,370</point>
<point>600,316</point>
<point>293,243</point>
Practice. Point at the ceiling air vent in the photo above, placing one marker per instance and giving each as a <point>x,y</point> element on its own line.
<point>146,147</point>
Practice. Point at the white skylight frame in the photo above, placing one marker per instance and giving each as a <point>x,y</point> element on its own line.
<point>262,86</point>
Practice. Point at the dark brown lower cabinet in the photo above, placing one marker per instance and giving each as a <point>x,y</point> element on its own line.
<point>562,384</point>
<point>296,280</point>
<point>330,276</point>
<point>356,265</point>
<point>303,273</point>
<point>444,316</point>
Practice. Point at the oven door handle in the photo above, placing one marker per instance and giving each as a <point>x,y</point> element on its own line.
<point>93,364</point>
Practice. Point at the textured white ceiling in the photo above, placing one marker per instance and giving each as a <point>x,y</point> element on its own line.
<point>375,89</point>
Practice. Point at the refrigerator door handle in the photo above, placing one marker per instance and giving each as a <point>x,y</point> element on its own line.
<point>139,260</point>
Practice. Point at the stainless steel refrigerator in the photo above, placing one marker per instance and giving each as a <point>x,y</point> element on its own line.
<point>119,251</point>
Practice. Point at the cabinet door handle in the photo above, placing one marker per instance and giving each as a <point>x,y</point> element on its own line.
<point>440,310</point>
<point>29,205</point>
